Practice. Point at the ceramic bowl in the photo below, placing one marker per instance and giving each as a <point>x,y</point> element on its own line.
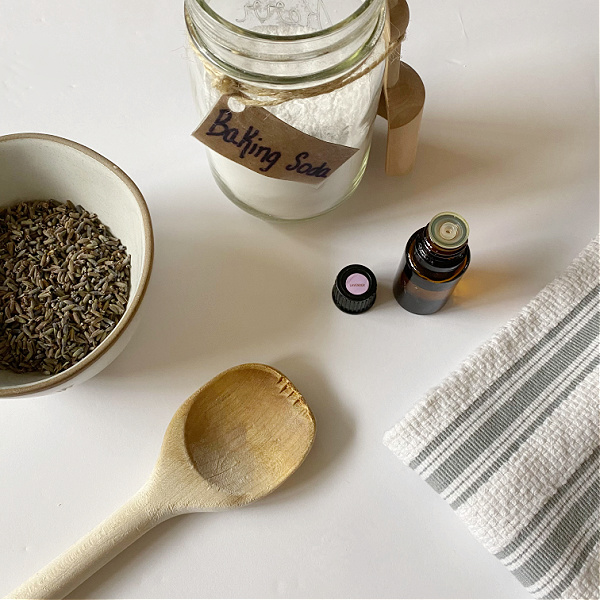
<point>36,166</point>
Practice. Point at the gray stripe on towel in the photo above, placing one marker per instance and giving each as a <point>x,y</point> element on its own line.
<point>546,556</point>
<point>549,337</point>
<point>470,450</point>
<point>516,444</point>
<point>559,498</point>
<point>576,568</point>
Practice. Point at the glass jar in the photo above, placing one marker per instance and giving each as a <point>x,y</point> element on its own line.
<point>292,45</point>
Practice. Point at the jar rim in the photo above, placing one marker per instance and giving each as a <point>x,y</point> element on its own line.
<point>204,5</point>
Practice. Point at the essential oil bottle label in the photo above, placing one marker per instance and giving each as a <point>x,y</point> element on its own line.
<point>265,144</point>
<point>357,284</point>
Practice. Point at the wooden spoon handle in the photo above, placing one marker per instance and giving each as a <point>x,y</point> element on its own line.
<point>93,551</point>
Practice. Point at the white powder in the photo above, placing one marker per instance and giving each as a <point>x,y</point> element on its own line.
<point>343,116</point>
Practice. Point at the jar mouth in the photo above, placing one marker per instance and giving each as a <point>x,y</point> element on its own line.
<point>266,60</point>
<point>331,29</point>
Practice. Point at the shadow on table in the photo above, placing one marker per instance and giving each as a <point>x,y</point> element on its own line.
<point>457,158</point>
<point>216,295</point>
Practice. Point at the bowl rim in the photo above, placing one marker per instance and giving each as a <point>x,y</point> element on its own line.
<point>134,302</point>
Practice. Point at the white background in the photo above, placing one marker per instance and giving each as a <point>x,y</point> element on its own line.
<point>509,140</point>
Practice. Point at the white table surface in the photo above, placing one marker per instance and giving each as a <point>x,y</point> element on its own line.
<point>509,139</point>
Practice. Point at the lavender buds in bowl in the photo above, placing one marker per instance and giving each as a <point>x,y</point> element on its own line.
<point>76,252</point>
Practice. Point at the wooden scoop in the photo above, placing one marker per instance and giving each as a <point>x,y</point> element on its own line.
<point>402,98</point>
<point>230,443</point>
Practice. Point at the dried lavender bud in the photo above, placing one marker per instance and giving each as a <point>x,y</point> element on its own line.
<point>64,285</point>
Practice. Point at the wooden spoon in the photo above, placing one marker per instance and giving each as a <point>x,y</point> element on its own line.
<point>230,443</point>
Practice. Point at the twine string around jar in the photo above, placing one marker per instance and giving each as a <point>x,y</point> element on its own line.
<point>254,95</point>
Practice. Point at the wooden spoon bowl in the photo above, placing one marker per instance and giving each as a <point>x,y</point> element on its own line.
<point>230,443</point>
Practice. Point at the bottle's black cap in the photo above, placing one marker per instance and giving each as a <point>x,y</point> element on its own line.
<point>354,289</point>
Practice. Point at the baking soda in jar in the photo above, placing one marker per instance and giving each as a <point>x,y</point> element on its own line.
<point>312,71</point>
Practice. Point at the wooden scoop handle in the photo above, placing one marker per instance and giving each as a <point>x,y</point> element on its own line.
<point>93,551</point>
<point>398,16</point>
<point>403,108</point>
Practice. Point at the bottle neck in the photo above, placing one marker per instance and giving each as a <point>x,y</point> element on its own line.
<point>267,49</point>
<point>431,258</point>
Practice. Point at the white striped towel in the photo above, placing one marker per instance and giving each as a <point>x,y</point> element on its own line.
<point>511,439</point>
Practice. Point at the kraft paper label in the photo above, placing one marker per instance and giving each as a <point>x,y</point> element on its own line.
<point>265,144</point>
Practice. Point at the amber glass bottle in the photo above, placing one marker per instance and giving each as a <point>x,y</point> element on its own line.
<point>435,258</point>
